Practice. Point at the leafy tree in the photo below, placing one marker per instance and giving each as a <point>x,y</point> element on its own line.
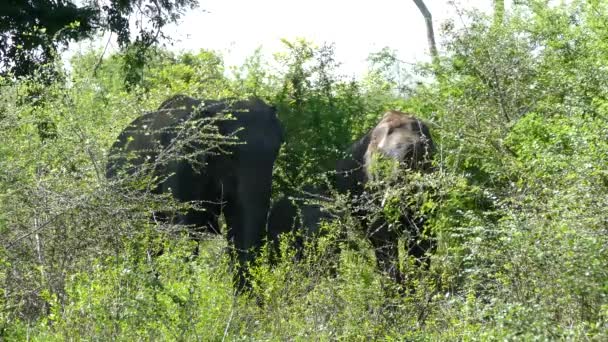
<point>32,32</point>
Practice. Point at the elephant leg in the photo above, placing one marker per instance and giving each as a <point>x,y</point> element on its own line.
<point>418,245</point>
<point>203,221</point>
<point>246,213</point>
<point>283,218</point>
<point>386,248</point>
<point>386,258</point>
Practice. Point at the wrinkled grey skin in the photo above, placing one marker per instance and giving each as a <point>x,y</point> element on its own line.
<point>301,214</point>
<point>398,136</point>
<point>235,181</point>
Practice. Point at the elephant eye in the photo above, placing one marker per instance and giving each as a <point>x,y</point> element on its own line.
<point>390,130</point>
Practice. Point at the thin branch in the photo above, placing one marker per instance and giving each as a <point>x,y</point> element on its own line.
<point>11,244</point>
<point>105,49</point>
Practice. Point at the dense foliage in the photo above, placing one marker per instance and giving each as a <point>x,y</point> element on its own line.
<point>516,202</point>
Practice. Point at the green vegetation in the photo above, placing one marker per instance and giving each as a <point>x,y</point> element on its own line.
<point>517,201</point>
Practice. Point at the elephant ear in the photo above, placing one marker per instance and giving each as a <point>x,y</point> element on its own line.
<point>350,175</point>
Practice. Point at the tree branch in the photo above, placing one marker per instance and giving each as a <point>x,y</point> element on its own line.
<point>430,33</point>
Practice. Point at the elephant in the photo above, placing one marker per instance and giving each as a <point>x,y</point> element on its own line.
<point>223,163</point>
<point>398,136</point>
<point>297,214</point>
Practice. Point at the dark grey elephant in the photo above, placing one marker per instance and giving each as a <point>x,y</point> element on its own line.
<point>232,177</point>
<point>398,136</point>
<point>301,214</point>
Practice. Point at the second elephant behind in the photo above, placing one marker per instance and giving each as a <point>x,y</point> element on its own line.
<point>398,136</point>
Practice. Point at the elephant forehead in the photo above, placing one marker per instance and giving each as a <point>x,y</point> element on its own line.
<point>398,140</point>
<point>396,118</point>
<point>386,134</point>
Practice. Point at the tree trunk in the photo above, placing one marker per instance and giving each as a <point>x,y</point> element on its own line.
<point>430,33</point>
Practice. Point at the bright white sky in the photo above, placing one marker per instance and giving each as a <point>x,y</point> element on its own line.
<point>357,27</point>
